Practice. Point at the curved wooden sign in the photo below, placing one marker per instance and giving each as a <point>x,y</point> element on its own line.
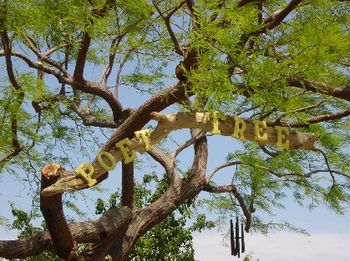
<point>86,174</point>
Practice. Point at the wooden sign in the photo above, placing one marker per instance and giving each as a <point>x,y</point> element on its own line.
<point>216,123</point>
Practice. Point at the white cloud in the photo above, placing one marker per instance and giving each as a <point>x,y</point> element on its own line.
<point>278,247</point>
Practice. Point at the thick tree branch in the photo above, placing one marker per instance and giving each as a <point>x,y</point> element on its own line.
<point>104,93</point>
<point>81,59</point>
<point>90,120</point>
<point>241,3</point>
<point>176,193</point>
<point>128,184</point>
<point>271,22</point>
<point>18,147</point>
<point>133,123</point>
<point>277,17</point>
<point>318,87</point>
<point>52,210</point>
<point>199,165</point>
<point>7,52</point>
<point>86,232</point>
<point>314,119</point>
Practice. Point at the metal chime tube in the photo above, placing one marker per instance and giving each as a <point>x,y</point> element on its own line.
<point>242,238</point>
<point>237,239</point>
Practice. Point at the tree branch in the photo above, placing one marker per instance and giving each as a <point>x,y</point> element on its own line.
<point>85,232</point>
<point>52,210</point>
<point>81,59</point>
<point>318,87</point>
<point>107,95</point>
<point>271,22</point>
<point>133,123</point>
<point>166,161</point>
<point>312,120</point>
<point>190,6</point>
<point>39,66</point>
<point>277,17</point>
<point>233,189</point>
<point>199,165</point>
<point>166,20</point>
<point>43,57</point>
<point>241,3</point>
<point>90,120</point>
<point>177,192</point>
<point>222,166</point>
<point>19,94</point>
<point>188,143</point>
<point>84,86</point>
<point>109,66</point>
<point>128,185</point>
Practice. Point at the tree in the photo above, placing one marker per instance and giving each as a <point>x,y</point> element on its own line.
<point>250,69</point>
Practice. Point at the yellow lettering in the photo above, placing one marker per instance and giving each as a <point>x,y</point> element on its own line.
<point>259,130</point>
<point>216,116</point>
<point>86,170</point>
<point>144,136</point>
<point>129,155</point>
<point>282,137</point>
<point>239,128</point>
<point>103,164</point>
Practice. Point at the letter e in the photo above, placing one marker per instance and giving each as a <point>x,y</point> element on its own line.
<point>129,155</point>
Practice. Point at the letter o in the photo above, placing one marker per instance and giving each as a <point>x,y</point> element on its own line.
<point>103,164</point>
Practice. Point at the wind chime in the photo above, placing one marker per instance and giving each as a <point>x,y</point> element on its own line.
<point>237,242</point>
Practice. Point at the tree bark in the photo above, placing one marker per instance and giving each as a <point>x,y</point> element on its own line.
<point>84,232</point>
<point>52,210</point>
<point>177,193</point>
<point>128,184</point>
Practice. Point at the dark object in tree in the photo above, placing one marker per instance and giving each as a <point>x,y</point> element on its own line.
<point>189,63</point>
<point>232,238</point>
<point>180,72</point>
<point>242,238</point>
<point>237,247</point>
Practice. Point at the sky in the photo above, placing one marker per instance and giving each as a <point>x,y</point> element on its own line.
<point>282,246</point>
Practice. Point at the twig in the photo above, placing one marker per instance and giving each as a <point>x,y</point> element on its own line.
<point>222,166</point>
<point>166,20</point>
<point>188,143</point>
